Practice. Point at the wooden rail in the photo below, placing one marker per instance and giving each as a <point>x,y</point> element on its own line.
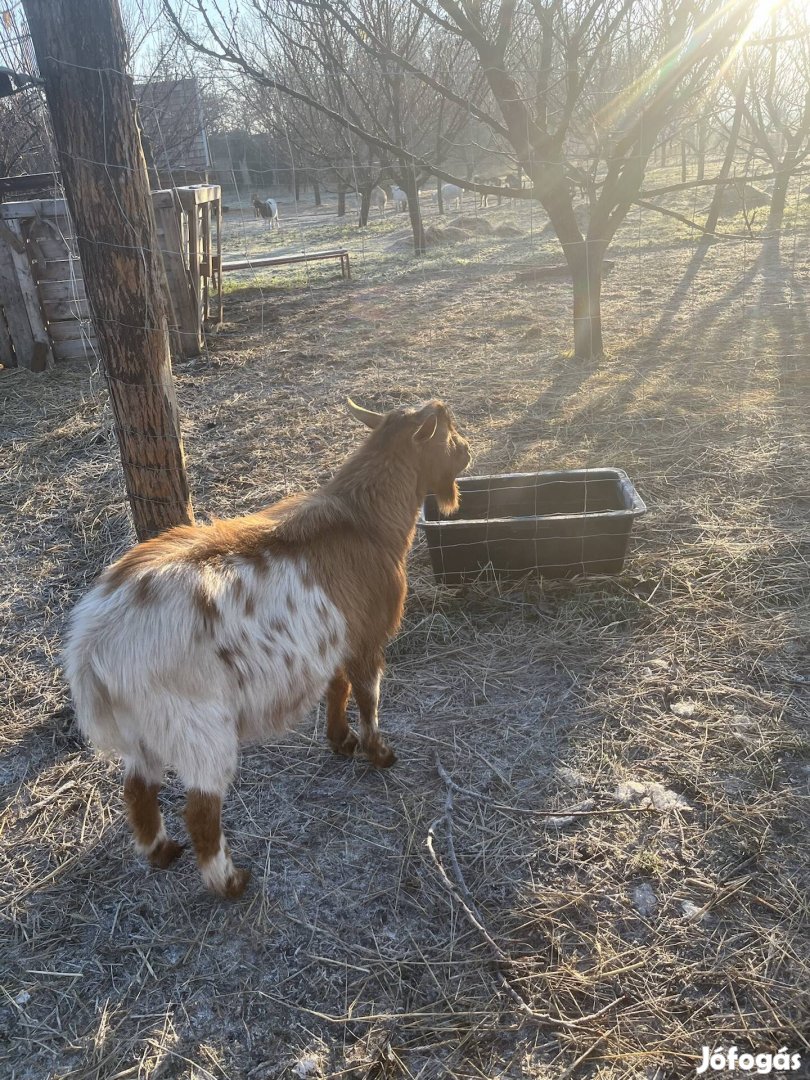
<point>280,260</point>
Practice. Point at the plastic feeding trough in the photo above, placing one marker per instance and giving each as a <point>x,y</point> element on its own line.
<point>550,524</point>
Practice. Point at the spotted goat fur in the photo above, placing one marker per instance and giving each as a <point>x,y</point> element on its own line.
<point>212,636</point>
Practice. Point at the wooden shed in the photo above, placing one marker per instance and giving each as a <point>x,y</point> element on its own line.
<point>44,312</point>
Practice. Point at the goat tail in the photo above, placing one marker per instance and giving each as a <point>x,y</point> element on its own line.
<point>93,705</point>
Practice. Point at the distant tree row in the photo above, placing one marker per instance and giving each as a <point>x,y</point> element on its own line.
<point>577,95</point>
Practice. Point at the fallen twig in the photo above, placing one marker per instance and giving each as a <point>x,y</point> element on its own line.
<point>461,894</point>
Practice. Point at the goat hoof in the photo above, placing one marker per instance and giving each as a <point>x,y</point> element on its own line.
<point>235,884</point>
<point>347,747</point>
<point>381,756</point>
<point>167,852</point>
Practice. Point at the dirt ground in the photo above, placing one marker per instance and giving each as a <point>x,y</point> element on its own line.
<point>590,859</point>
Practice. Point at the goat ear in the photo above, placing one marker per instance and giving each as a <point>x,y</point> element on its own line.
<point>426,430</point>
<point>365,416</point>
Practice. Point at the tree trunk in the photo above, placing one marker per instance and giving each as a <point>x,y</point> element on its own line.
<point>365,203</point>
<point>780,190</point>
<point>297,182</point>
<point>244,171</point>
<point>414,209</point>
<point>341,207</point>
<point>728,161</point>
<point>439,199</point>
<point>81,52</point>
<point>316,190</point>
<point>701,150</point>
<point>586,270</point>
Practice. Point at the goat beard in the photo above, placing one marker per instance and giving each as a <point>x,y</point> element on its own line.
<point>447,497</point>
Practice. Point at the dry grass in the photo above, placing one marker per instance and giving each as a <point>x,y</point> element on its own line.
<point>591,857</point>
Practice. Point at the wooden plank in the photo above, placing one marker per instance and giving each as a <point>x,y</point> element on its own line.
<point>7,357</point>
<point>208,193</point>
<point>70,329</point>
<point>205,240</point>
<point>57,310</point>
<point>8,237</point>
<point>199,194</point>
<point>218,261</point>
<point>75,349</point>
<point>163,199</point>
<point>52,291</point>
<point>60,270</point>
<point>53,248</point>
<point>170,268</point>
<point>41,355</point>
<point>280,260</point>
<point>13,211</point>
<point>28,182</point>
<point>16,316</point>
<point>183,311</point>
<point>58,228</point>
<point>205,266</point>
<point>194,261</point>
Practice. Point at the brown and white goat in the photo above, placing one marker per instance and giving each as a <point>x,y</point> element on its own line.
<point>211,636</point>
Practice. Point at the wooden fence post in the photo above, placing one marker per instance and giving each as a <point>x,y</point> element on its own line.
<point>81,51</point>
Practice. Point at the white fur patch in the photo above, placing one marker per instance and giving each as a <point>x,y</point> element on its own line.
<point>215,655</point>
<point>217,871</point>
<point>147,849</point>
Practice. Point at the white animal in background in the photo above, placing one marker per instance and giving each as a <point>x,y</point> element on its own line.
<point>378,199</point>
<point>272,213</point>
<point>267,209</point>
<point>451,193</point>
<point>399,197</point>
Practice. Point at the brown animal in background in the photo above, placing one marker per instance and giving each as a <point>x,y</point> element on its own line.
<point>212,636</point>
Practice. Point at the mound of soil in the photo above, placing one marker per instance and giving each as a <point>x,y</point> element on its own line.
<point>740,196</point>
<point>507,230</point>
<point>472,224</point>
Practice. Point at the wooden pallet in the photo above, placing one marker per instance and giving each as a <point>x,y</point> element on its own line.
<point>44,313</point>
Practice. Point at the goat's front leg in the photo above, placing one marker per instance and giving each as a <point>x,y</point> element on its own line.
<point>365,679</point>
<point>341,737</point>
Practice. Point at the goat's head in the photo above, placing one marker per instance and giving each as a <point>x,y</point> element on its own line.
<point>428,436</point>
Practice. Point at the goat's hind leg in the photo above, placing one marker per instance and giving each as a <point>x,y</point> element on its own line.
<point>341,737</point>
<point>203,820</point>
<point>365,679</point>
<point>143,777</point>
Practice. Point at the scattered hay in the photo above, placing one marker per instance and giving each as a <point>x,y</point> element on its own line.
<point>472,223</point>
<point>439,236</point>
<point>558,270</point>
<point>518,943</point>
<point>435,236</point>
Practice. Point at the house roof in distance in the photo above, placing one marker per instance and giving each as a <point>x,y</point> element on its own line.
<point>172,116</point>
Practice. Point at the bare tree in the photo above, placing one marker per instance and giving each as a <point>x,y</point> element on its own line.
<point>777,108</point>
<point>579,91</point>
<point>24,139</point>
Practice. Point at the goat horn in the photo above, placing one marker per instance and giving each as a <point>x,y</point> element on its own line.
<point>365,416</point>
